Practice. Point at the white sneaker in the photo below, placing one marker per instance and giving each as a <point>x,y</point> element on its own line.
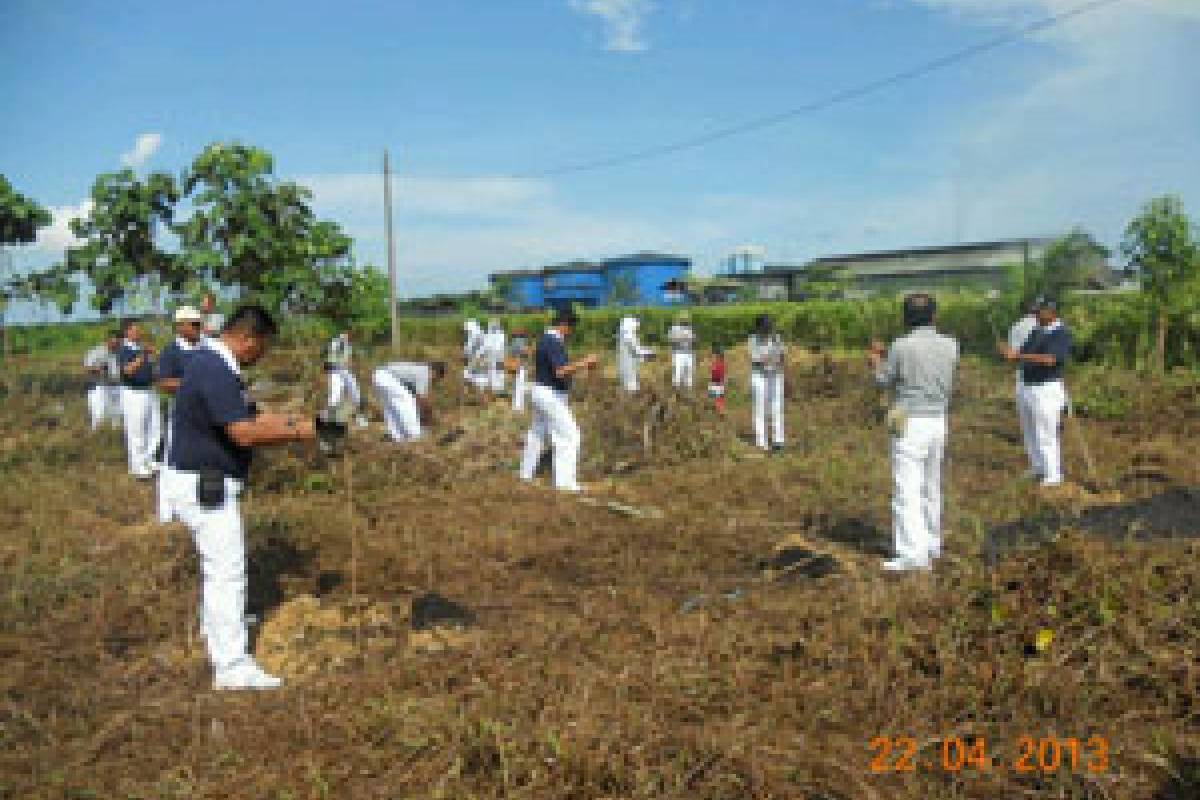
<point>361,421</point>
<point>904,565</point>
<point>245,675</point>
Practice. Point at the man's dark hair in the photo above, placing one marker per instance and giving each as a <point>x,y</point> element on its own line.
<point>919,309</point>
<point>718,350</point>
<point>126,324</point>
<point>438,368</point>
<point>252,319</point>
<point>762,325</point>
<point>565,316</point>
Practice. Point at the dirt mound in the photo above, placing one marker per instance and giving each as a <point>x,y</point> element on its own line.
<point>304,638</point>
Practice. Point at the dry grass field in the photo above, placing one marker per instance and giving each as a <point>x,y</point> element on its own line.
<point>711,623</point>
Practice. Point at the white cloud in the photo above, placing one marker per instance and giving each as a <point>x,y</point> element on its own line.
<point>623,21</point>
<point>57,237</point>
<point>144,147</point>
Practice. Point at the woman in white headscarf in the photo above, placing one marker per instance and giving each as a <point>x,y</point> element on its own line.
<point>629,354</point>
<point>494,345</point>
<point>475,371</point>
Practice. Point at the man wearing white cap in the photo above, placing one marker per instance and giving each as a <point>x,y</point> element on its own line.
<point>189,335</point>
<point>1041,359</point>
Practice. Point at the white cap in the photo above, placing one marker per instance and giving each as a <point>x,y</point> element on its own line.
<point>188,314</point>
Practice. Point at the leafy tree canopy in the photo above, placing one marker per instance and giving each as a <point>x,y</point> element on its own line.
<point>20,217</point>
<point>120,252</point>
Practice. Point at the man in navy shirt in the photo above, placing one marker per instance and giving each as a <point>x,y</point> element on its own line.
<point>1041,359</point>
<point>215,428</point>
<point>189,334</point>
<point>552,418</point>
<point>140,411</point>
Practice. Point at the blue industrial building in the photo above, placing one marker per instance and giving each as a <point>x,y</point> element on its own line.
<point>641,279</point>
<point>578,283</point>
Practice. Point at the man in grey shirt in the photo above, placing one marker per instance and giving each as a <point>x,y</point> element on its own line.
<point>919,369</point>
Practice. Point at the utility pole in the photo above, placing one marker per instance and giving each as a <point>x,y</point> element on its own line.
<point>391,249</point>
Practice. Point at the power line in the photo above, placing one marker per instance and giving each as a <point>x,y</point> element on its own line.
<point>838,97</point>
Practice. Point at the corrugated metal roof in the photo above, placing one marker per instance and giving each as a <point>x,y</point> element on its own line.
<point>970,247</point>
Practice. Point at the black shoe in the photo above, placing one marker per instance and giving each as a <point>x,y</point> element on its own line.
<point>778,447</point>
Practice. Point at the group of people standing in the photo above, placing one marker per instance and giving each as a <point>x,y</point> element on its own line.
<point>213,424</point>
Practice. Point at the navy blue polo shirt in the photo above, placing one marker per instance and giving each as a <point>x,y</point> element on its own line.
<point>172,360</point>
<point>1055,342</point>
<point>143,378</point>
<point>210,397</point>
<point>551,356</point>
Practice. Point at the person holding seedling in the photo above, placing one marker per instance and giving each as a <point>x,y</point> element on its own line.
<point>1041,359</point>
<point>919,369</point>
<point>552,417</point>
<point>216,427</point>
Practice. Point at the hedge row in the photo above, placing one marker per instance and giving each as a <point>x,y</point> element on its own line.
<point>1111,329</point>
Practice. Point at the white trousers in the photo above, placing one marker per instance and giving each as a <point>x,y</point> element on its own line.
<point>400,411</point>
<point>553,420</point>
<point>766,397</point>
<point>917,489</point>
<point>627,373</point>
<point>520,388</point>
<point>496,377</point>
<point>343,385</point>
<point>683,369</point>
<point>1028,428</point>
<point>104,405</point>
<point>142,418</point>
<point>1042,413</point>
<point>220,544</point>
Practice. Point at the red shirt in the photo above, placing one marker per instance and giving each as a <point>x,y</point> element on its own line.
<point>717,373</point>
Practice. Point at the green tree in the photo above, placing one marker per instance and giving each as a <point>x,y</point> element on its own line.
<point>1161,242</point>
<point>20,217</point>
<point>1073,261</point>
<point>20,220</point>
<point>256,232</point>
<point>120,252</point>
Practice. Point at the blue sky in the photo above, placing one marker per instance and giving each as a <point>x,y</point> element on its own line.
<point>1075,125</point>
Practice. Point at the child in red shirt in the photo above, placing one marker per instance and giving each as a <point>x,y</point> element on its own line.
<point>716,378</point>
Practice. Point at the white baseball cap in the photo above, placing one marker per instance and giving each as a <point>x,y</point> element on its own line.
<point>188,314</point>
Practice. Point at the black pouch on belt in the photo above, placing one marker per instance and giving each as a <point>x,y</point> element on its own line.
<point>210,489</point>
